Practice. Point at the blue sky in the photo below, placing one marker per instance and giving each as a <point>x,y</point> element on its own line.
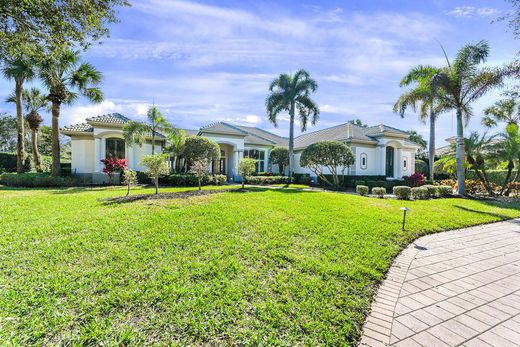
<point>213,60</point>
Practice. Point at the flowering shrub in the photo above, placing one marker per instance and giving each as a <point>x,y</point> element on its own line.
<point>402,192</point>
<point>113,165</point>
<point>379,191</point>
<point>415,180</point>
<point>362,190</point>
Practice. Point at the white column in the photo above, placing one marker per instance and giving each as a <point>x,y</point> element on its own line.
<point>398,166</point>
<point>381,167</point>
<point>97,154</point>
<point>130,150</point>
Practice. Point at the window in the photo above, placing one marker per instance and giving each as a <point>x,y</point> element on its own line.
<point>259,156</point>
<point>115,148</point>
<point>363,158</point>
<point>405,164</point>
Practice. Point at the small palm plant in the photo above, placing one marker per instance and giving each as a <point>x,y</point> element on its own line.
<point>67,78</point>
<point>137,132</point>
<point>291,93</point>
<point>19,70</point>
<point>33,100</point>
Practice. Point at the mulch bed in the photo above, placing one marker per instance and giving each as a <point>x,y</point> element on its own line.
<point>171,195</point>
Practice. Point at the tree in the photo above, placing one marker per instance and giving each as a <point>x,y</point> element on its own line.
<point>507,111</point>
<point>290,94</point>
<point>176,142</point>
<point>114,165</point>
<point>507,149</point>
<point>137,132</point>
<point>200,148</point>
<point>246,167</point>
<point>333,155</point>
<point>156,166</point>
<point>358,122</point>
<point>19,70</point>
<point>34,100</point>
<point>280,156</point>
<point>200,169</point>
<point>7,133</point>
<point>418,139</point>
<point>461,83</point>
<point>46,29</point>
<point>67,78</point>
<point>431,105</point>
<point>129,179</point>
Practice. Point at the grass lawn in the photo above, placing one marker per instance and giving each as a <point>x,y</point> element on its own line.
<point>269,267</point>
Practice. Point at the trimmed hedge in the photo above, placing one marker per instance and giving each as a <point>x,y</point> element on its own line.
<point>379,191</point>
<point>420,193</point>
<point>189,180</point>
<point>7,162</point>
<point>36,180</point>
<point>445,191</point>
<point>494,176</point>
<point>302,179</point>
<point>266,180</point>
<point>433,191</point>
<point>350,181</point>
<point>402,192</point>
<point>362,190</point>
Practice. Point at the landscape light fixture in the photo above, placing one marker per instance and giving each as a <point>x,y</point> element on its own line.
<point>404,209</point>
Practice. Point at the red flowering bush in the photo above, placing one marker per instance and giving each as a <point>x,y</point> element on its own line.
<point>415,180</point>
<point>113,165</point>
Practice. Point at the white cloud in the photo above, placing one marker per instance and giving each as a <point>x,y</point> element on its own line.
<point>472,11</point>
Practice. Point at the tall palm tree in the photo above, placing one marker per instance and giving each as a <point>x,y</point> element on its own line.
<point>431,104</point>
<point>34,100</point>
<point>137,132</point>
<point>507,111</point>
<point>19,70</point>
<point>290,93</point>
<point>461,83</point>
<point>67,78</point>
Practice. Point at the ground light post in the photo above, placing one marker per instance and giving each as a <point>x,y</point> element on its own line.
<point>404,209</point>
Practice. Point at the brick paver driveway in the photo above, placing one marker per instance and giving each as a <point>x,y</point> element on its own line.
<point>456,288</point>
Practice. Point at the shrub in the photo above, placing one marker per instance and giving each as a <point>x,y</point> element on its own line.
<point>362,190</point>
<point>360,183</point>
<point>446,182</point>
<point>445,191</point>
<point>402,192</point>
<point>199,169</point>
<point>8,162</point>
<point>473,187</point>
<point>156,167</point>
<point>371,184</point>
<point>36,180</point>
<point>280,156</point>
<point>113,165</point>
<point>142,177</point>
<point>200,148</point>
<point>302,179</point>
<point>433,191</point>
<point>420,193</point>
<point>66,169</point>
<point>246,167</point>
<point>379,191</point>
<point>266,180</point>
<point>129,179</point>
<point>218,180</point>
<point>415,180</point>
<point>381,183</point>
<point>189,180</point>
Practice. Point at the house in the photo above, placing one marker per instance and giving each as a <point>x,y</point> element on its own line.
<point>379,150</point>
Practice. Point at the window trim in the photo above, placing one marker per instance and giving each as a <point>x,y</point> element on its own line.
<point>361,157</point>
<point>117,149</point>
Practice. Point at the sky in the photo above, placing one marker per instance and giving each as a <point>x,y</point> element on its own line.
<point>208,61</point>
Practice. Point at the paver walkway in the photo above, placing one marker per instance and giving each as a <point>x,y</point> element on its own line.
<point>456,288</point>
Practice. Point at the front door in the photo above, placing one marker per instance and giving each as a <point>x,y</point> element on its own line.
<point>389,161</point>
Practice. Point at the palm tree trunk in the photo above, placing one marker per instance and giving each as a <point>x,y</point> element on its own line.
<point>431,149</point>
<point>291,141</point>
<point>459,153</point>
<point>56,168</point>
<point>21,155</point>
<point>510,167</point>
<point>35,151</point>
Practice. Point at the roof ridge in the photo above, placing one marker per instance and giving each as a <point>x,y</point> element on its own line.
<point>321,130</point>
<point>264,131</point>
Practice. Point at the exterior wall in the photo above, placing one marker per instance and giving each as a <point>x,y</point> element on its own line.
<point>82,154</point>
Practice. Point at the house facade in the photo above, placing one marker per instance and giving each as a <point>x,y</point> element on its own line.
<point>379,150</point>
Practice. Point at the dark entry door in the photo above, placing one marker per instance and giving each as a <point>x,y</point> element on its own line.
<point>389,161</point>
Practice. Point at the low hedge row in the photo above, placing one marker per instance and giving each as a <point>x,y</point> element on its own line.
<point>189,180</point>
<point>266,180</point>
<point>406,193</point>
<point>36,180</point>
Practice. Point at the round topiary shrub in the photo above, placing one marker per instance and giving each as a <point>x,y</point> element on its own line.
<point>402,192</point>
<point>362,190</point>
<point>379,191</point>
<point>433,191</point>
<point>420,193</point>
<point>445,191</point>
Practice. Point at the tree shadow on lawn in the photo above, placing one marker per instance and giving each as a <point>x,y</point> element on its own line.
<point>493,204</point>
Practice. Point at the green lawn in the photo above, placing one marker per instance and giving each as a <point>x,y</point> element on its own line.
<point>269,267</point>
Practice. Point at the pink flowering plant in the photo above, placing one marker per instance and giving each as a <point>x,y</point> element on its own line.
<point>114,165</point>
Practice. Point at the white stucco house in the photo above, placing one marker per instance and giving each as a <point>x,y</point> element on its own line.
<point>379,150</point>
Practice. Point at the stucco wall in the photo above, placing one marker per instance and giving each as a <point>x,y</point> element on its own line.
<point>82,155</point>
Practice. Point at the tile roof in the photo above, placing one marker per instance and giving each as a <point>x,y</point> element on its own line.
<point>342,132</point>
<point>114,118</point>
<point>222,128</point>
<point>378,130</point>
<point>190,132</point>
<point>267,137</point>
<point>78,128</point>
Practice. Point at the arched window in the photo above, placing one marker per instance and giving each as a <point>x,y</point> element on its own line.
<point>115,148</point>
<point>405,164</point>
<point>363,159</point>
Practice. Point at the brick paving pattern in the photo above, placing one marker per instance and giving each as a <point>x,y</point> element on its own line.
<point>455,288</point>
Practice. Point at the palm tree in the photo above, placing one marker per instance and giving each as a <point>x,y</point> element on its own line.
<point>507,149</point>
<point>461,83</point>
<point>290,93</point>
<point>431,104</point>
<point>19,70</point>
<point>34,100</point>
<point>67,78</point>
<point>137,132</point>
<point>477,148</point>
<point>507,111</point>
<point>176,140</point>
